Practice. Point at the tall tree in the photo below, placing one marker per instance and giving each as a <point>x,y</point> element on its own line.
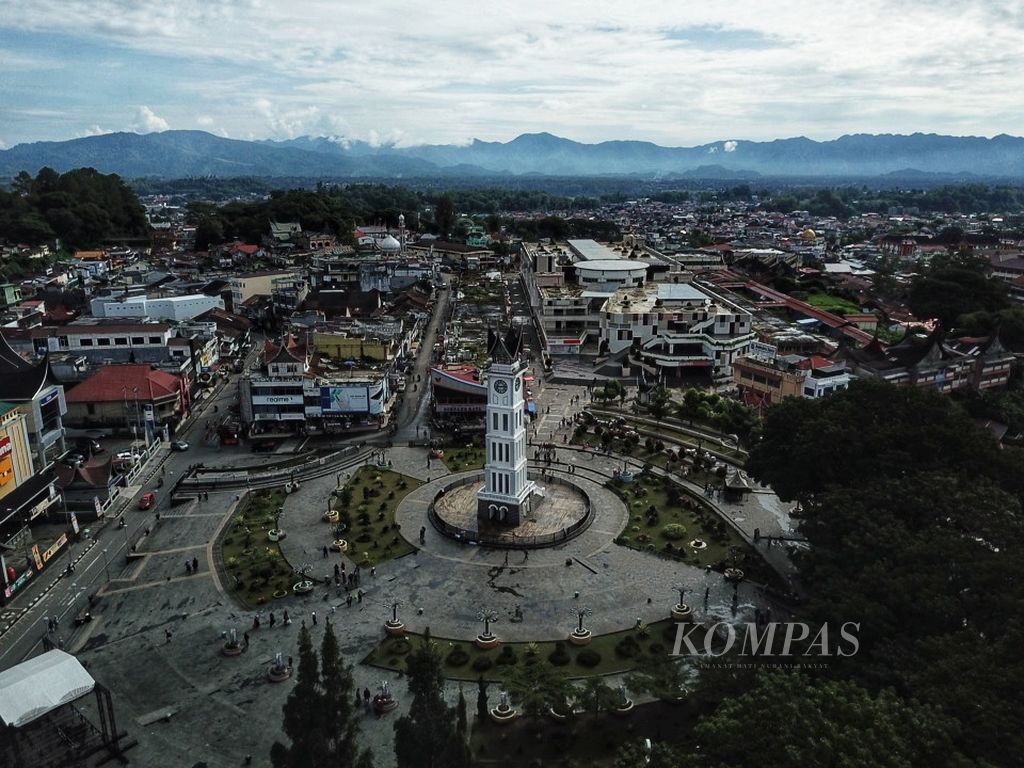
<point>428,736</point>
<point>318,716</point>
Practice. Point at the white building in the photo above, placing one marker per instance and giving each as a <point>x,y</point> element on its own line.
<point>174,308</point>
<point>676,327</point>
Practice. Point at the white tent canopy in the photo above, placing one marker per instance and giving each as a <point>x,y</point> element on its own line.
<point>39,685</point>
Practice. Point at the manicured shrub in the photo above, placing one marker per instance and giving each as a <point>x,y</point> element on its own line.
<point>588,657</point>
<point>673,531</point>
<point>457,658</point>
<point>559,657</point>
<point>482,664</point>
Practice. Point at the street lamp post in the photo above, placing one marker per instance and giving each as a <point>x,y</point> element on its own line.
<point>106,564</point>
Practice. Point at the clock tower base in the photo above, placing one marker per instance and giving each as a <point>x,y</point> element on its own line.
<point>499,512</point>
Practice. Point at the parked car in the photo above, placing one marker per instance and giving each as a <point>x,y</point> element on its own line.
<point>87,445</point>
<point>75,459</point>
<point>147,500</point>
<point>179,445</point>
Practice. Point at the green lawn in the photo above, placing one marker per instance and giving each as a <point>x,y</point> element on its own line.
<point>616,652</point>
<point>253,567</point>
<point>831,303</point>
<point>465,458</point>
<point>367,507</point>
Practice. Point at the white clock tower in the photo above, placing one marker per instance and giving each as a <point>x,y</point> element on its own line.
<point>507,491</point>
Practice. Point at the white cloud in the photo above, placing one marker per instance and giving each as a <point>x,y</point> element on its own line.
<point>729,146</point>
<point>204,120</point>
<point>147,121</point>
<point>93,130</point>
<point>676,73</point>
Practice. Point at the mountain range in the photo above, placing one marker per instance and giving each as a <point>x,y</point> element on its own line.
<point>177,154</point>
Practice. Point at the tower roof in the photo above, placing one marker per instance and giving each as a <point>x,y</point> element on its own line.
<point>504,350</point>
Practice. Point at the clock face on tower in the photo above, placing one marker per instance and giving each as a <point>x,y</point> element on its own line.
<point>519,383</point>
<point>501,386</point>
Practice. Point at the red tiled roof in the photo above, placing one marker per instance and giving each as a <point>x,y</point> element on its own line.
<point>109,383</point>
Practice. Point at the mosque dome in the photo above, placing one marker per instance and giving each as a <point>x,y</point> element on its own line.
<point>809,234</point>
<point>390,245</point>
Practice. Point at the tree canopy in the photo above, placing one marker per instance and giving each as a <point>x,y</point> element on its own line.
<point>83,208</point>
<point>429,736</point>
<point>318,716</point>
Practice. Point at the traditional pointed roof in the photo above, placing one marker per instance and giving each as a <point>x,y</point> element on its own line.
<point>20,380</point>
<point>91,474</point>
<point>504,350</point>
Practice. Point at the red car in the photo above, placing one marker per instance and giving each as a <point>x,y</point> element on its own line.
<point>148,500</point>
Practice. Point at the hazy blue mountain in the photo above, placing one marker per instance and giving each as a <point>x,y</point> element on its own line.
<point>195,153</point>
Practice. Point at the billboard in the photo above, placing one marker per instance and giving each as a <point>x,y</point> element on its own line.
<point>344,399</point>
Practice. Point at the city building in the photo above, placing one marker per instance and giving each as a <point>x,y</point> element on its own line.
<point>244,286</point>
<point>134,398</point>
<point>300,392</point>
<point>765,377</point>
<point>26,496</point>
<point>31,387</point>
<point>677,329</point>
<point>174,308</point>
<point>932,361</point>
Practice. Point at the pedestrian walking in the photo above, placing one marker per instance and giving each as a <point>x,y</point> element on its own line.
<point>56,623</point>
<point>348,601</point>
<point>366,698</point>
<point>168,635</point>
<point>245,639</point>
<point>195,564</point>
<point>273,621</point>
<point>325,551</point>
<point>337,571</point>
<point>313,614</point>
<point>359,595</point>
<point>287,619</point>
<point>373,571</point>
<point>188,567</point>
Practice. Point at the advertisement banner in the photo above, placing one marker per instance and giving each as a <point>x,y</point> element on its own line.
<point>18,583</point>
<point>74,523</point>
<point>98,506</point>
<point>54,548</point>
<point>36,558</point>
<point>344,399</point>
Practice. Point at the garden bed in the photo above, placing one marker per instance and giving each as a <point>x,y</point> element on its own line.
<point>366,507</point>
<point>606,654</point>
<point>665,518</point>
<point>254,568</point>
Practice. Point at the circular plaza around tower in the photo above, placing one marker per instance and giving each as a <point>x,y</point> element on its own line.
<point>557,511</point>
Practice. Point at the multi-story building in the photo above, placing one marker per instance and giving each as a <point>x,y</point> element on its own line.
<point>676,329</point>
<point>297,392</point>
<point>932,362</point>
<point>136,398</point>
<point>245,286</point>
<point>30,386</point>
<point>765,378</point>
<point>174,308</point>
<point>26,496</point>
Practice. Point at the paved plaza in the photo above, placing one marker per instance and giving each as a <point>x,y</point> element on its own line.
<point>157,630</point>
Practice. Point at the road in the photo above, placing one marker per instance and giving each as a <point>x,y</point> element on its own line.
<point>104,558</point>
<point>413,418</point>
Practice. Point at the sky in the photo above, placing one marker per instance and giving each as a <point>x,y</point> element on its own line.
<point>674,72</point>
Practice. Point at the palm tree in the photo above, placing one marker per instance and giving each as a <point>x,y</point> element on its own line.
<point>538,687</point>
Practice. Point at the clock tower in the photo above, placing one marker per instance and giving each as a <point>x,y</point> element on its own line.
<point>506,494</point>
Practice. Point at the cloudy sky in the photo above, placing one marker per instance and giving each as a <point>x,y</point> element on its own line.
<point>675,72</point>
